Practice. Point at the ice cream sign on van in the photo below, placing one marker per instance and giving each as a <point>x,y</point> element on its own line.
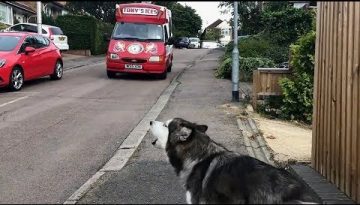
<point>140,11</point>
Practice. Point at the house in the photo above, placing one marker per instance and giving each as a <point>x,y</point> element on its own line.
<point>13,12</point>
<point>225,30</point>
<point>303,4</point>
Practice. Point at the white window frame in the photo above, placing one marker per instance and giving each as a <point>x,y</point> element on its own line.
<point>10,13</point>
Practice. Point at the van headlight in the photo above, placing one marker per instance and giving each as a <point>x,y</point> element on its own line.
<point>155,59</point>
<point>2,62</point>
<point>114,56</point>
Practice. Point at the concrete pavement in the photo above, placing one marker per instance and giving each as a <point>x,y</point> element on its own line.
<point>148,177</point>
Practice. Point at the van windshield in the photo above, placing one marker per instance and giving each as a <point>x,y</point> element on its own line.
<point>138,31</point>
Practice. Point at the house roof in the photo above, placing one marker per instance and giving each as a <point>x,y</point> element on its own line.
<point>215,24</point>
<point>21,5</point>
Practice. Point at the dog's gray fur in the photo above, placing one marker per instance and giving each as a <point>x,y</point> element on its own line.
<point>212,174</point>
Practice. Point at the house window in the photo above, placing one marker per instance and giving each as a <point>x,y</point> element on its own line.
<point>225,32</point>
<point>6,14</point>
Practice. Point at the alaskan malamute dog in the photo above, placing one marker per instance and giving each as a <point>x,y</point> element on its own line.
<point>212,174</point>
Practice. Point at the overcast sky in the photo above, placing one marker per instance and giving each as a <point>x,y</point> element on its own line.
<point>207,10</point>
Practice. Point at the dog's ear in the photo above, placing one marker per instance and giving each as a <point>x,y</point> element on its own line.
<point>202,128</point>
<point>184,134</point>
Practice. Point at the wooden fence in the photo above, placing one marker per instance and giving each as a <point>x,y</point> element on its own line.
<point>336,123</point>
<point>266,82</point>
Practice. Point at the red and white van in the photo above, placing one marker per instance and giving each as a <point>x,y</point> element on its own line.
<point>141,41</point>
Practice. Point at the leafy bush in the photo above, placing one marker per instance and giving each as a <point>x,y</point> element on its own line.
<point>3,26</point>
<point>246,67</point>
<point>85,32</point>
<point>48,20</point>
<point>259,47</point>
<point>298,90</point>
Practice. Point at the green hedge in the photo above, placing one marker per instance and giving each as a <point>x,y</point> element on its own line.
<point>298,89</point>
<point>85,32</point>
<point>259,47</point>
<point>246,67</point>
<point>3,26</point>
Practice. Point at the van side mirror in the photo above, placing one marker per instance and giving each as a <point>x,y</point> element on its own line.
<point>170,41</point>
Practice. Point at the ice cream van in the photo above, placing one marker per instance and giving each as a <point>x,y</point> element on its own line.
<point>141,41</point>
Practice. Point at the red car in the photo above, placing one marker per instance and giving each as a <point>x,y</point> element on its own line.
<point>26,56</point>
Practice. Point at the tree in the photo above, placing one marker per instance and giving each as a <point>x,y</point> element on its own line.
<point>186,21</point>
<point>249,16</point>
<point>102,10</point>
<point>213,34</point>
<point>287,25</point>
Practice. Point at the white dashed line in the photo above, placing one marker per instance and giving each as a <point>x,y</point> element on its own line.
<point>13,101</point>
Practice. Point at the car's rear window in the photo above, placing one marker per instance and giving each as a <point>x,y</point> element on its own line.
<point>194,39</point>
<point>8,43</point>
<point>56,31</point>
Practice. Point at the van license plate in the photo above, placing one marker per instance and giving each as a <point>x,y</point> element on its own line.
<point>132,66</point>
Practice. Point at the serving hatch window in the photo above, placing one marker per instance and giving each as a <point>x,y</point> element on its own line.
<point>138,31</point>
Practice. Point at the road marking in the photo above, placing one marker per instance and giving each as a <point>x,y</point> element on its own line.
<point>13,101</point>
<point>130,144</point>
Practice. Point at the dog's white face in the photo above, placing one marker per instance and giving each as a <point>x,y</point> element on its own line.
<point>161,131</point>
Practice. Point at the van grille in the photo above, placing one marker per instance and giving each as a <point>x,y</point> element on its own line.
<point>134,60</point>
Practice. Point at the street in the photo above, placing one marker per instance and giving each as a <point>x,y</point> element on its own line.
<point>54,135</point>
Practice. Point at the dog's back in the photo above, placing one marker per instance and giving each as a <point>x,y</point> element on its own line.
<point>230,178</point>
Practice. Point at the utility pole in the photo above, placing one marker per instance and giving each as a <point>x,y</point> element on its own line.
<point>235,58</point>
<point>39,19</point>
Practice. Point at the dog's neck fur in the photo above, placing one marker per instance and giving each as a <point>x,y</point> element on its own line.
<point>186,156</point>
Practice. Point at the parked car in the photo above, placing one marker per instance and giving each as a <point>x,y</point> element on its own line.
<point>52,32</point>
<point>283,65</point>
<point>25,56</point>
<point>182,42</point>
<point>194,42</point>
<point>210,44</point>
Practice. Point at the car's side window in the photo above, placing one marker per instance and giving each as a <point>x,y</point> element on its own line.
<point>40,42</point>
<point>47,41</point>
<point>29,28</point>
<point>16,28</point>
<point>27,42</point>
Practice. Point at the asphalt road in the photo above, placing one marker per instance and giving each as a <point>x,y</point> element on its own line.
<point>148,177</point>
<point>54,135</point>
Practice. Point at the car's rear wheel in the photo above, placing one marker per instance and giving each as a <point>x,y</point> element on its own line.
<point>110,74</point>
<point>16,79</point>
<point>58,71</point>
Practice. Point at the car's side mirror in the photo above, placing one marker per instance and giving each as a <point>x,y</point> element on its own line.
<point>170,41</point>
<point>29,49</point>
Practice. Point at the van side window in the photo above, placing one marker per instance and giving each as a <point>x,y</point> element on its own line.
<point>170,26</point>
<point>166,33</point>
